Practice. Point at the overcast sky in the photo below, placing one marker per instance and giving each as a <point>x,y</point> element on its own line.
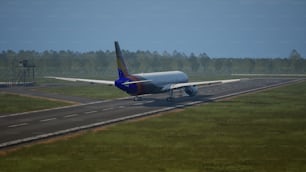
<point>220,28</point>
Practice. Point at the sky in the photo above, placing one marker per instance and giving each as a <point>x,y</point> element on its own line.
<point>219,28</point>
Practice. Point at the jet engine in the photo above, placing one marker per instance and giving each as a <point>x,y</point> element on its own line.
<point>191,90</point>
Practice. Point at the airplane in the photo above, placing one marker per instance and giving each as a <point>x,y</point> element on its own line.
<point>148,83</point>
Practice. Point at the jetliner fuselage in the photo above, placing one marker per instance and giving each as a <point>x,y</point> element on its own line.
<point>158,82</point>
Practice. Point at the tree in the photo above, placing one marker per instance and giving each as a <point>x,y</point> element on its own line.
<point>296,61</point>
<point>205,61</point>
<point>228,66</point>
<point>295,55</point>
<point>251,65</point>
<point>194,63</point>
<point>218,64</point>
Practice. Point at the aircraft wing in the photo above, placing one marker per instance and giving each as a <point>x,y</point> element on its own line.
<point>269,75</point>
<point>180,85</point>
<point>105,82</point>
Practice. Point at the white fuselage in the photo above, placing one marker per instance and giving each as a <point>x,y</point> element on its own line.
<point>164,78</point>
<point>158,82</point>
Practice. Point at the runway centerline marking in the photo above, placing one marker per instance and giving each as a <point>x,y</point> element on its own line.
<point>18,125</point>
<point>89,112</point>
<point>108,109</point>
<point>142,103</point>
<point>70,116</point>
<point>149,101</point>
<point>49,119</point>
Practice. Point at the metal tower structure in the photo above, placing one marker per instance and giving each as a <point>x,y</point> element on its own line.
<point>25,73</point>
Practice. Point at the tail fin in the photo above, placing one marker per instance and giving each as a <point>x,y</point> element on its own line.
<point>122,69</point>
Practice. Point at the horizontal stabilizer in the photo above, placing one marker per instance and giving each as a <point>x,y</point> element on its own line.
<point>135,82</point>
<point>93,81</point>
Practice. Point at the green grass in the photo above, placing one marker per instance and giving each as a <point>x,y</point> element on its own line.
<point>89,91</point>
<point>257,132</point>
<point>10,103</point>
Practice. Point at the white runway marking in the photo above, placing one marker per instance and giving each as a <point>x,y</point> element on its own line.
<point>89,112</point>
<point>18,125</point>
<point>193,103</point>
<point>49,119</point>
<point>70,116</point>
<point>149,101</point>
<point>108,109</point>
<point>180,106</point>
<point>143,102</point>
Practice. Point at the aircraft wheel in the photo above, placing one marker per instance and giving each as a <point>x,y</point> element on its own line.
<point>170,99</point>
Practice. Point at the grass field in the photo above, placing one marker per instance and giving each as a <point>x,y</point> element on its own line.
<point>10,103</point>
<point>89,91</point>
<point>257,132</point>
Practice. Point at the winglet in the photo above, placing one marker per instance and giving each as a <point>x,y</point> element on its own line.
<point>122,69</point>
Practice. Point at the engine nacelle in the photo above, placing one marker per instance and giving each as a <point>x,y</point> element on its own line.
<point>191,90</point>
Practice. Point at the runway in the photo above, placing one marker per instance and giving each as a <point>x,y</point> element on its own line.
<point>31,126</point>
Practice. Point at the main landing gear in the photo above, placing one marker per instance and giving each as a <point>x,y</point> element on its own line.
<point>171,97</point>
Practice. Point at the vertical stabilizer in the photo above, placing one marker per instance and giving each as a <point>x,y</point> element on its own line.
<point>122,69</point>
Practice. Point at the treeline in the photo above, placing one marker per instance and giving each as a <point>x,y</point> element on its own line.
<point>103,64</point>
